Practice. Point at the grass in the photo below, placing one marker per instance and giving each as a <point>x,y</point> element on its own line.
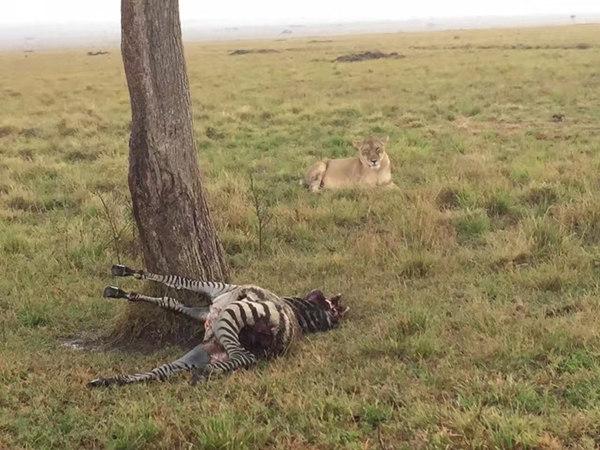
<point>474,288</point>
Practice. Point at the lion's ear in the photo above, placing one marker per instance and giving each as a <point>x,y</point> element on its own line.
<point>385,140</point>
<point>357,144</point>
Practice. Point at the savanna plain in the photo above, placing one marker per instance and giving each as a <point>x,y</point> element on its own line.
<point>474,288</point>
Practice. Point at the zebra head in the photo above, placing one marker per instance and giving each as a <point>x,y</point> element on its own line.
<point>332,306</point>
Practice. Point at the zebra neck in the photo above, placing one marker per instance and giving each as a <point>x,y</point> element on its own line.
<point>310,317</point>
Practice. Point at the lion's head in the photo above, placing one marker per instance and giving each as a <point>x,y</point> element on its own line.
<point>371,151</point>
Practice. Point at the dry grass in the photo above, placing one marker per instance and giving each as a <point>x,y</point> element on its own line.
<point>474,288</point>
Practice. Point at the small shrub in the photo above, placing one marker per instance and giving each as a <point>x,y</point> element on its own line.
<point>417,267</point>
<point>214,134</point>
<point>448,198</point>
<point>520,176</point>
<point>33,315</point>
<point>20,203</point>
<point>541,196</point>
<point>425,346</point>
<point>408,324</point>
<point>576,361</point>
<point>223,432</point>
<point>7,130</point>
<point>31,133</point>
<point>501,205</point>
<point>423,228</point>
<point>546,237</point>
<point>473,111</point>
<point>348,112</point>
<point>581,219</point>
<point>14,244</point>
<point>79,156</point>
<point>550,282</point>
<point>61,202</point>
<point>64,129</point>
<point>134,434</point>
<point>375,415</point>
<point>582,393</point>
<point>472,226</point>
<point>26,154</point>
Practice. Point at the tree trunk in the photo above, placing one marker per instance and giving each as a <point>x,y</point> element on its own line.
<point>176,231</point>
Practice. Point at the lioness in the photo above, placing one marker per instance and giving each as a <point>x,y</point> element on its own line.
<point>370,168</point>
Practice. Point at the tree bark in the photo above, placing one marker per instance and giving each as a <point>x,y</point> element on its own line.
<point>176,231</point>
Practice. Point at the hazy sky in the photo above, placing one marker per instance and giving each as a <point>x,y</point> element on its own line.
<point>270,11</point>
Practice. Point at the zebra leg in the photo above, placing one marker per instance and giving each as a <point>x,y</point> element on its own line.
<point>168,303</point>
<point>209,288</point>
<point>198,357</point>
<point>238,359</point>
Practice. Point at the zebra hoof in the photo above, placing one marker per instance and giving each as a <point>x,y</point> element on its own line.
<point>98,382</point>
<point>113,292</point>
<point>120,270</point>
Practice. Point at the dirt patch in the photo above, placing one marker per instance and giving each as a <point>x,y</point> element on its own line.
<point>448,198</point>
<point>245,51</point>
<point>365,56</point>
<point>83,342</point>
<point>100,341</point>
